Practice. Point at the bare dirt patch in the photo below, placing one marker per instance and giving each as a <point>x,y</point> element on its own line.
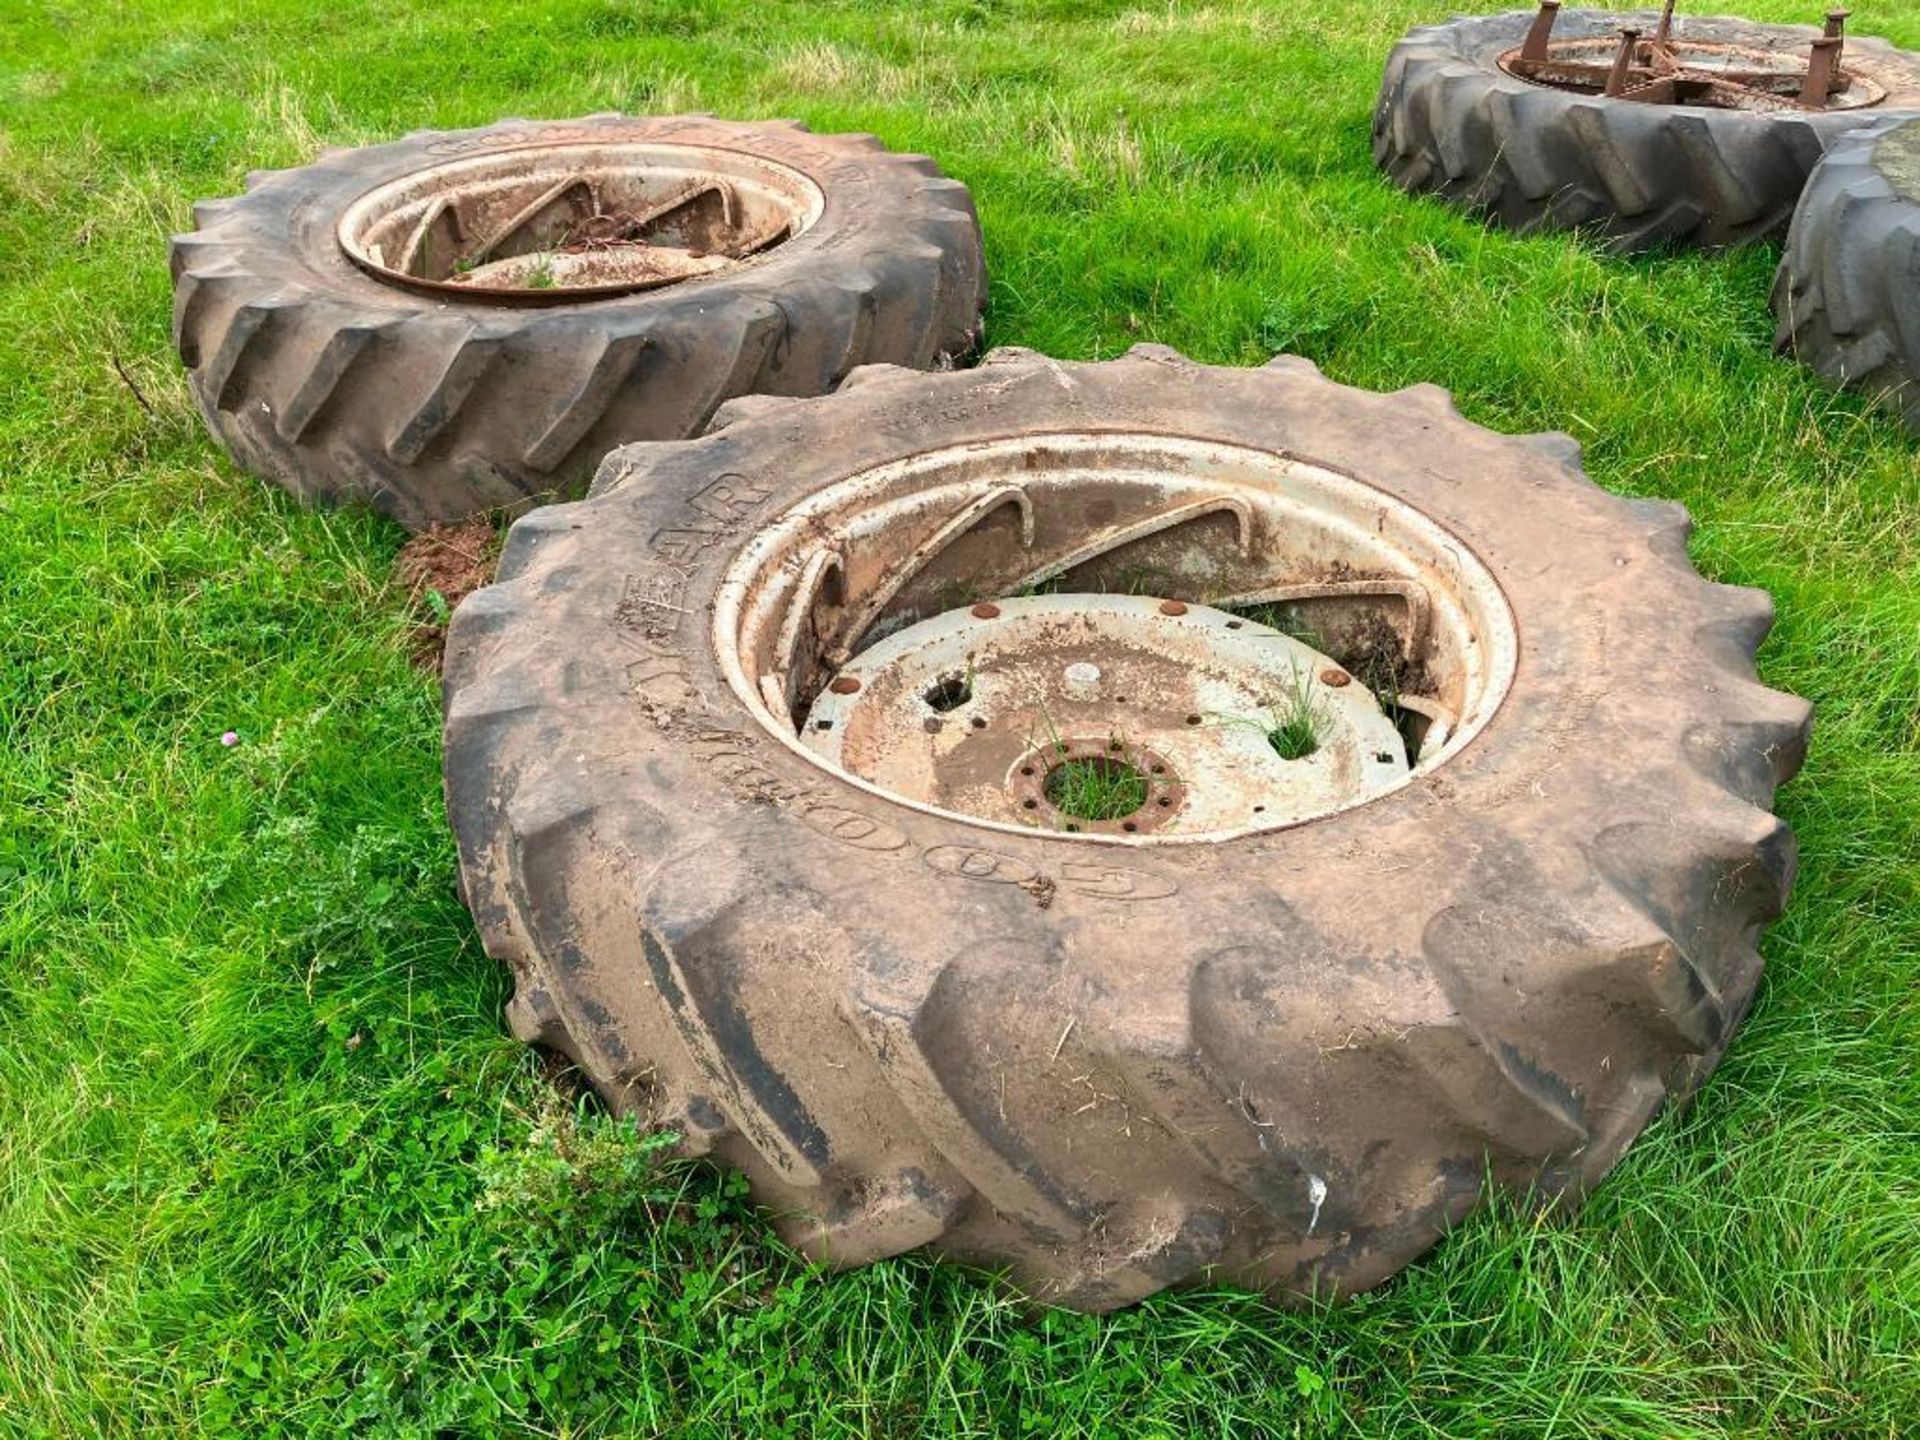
<point>439,568</point>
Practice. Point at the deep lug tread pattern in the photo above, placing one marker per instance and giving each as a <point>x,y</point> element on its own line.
<point>1845,298</point>
<point>763,329</point>
<point>897,1025</point>
<point>334,354</point>
<point>1451,123</point>
<point>747,407</point>
<point>245,326</point>
<point>468,353</point>
<point>1305,1099</point>
<point>342,388</point>
<point>879,1220</point>
<point>761,1105</point>
<point>606,365</point>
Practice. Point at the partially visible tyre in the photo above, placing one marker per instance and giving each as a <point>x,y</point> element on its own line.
<point>469,320</point>
<point>1537,146</point>
<point>1847,294</point>
<point>1134,823</point>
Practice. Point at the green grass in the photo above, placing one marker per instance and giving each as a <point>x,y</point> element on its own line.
<point>269,1163</point>
<point>540,276</point>
<point>1295,721</point>
<point>1097,788</point>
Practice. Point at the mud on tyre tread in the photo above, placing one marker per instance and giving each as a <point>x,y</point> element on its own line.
<point>1847,294</point>
<point>1450,122</point>
<point>339,386</point>
<point>1288,1060</point>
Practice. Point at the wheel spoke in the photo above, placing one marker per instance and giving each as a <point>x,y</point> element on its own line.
<point>1664,70</point>
<point>1115,536</point>
<point>1419,603</point>
<point>439,228</point>
<point>922,555</point>
<point>567,192</point>
<point>824,574</point>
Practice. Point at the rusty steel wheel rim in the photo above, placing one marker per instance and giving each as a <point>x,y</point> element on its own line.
<point>950,630</point>
<point>1666,69</point>
<point>546,224</point>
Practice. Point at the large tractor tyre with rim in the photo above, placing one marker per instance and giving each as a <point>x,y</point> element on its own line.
<point>1456,119</point>
<point>752,760</point>
<point>470,320</point>
<point>1847,294</point>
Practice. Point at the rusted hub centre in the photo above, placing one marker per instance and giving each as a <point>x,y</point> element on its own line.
<point>1062,631</point>
<point>1104,714</point>
<point>1664,68</point>
<point>544,223</point>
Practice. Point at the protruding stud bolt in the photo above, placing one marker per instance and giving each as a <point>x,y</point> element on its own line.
<point>1623,62</point>
<point>1542,32</point>
<point>1837,32</point>
<point>985,610</point>
<point>1335,678</point>
<point>844,684</point>
<point>1820,73</point>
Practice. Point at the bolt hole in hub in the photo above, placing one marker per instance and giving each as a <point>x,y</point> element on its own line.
<point>1236,642</point>
<point>948,693</point>
<point>543,223</point>
<point>1665,68</point>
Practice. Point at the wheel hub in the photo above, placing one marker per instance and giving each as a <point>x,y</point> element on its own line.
<point>1666,69</point>
<point>1018,632</point>
<point>544,223</point>
<point>1107,714</point>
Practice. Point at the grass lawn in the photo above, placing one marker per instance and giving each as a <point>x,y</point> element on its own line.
<point>270,1164</point>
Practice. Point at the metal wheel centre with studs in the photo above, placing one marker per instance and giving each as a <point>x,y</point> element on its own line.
<point>1118,716</point>
<point>1667,69</point>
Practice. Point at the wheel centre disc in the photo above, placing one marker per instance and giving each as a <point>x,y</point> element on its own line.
<point>1107,714</point>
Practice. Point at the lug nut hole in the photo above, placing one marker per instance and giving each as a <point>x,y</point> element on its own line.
<point>949,692</point>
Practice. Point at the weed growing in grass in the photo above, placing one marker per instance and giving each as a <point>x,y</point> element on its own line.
<point>540,274</point>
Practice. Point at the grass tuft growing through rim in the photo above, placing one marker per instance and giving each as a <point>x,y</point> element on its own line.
<point>1096,787</point>
<point>1297,724</point>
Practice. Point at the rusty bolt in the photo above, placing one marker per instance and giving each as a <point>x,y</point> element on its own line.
<point>1541,32</point>
<point>1335,678</point>
<point>844,685</point>
<point>985,610</point>
<point>1820,72</point>
<point>1172,607</point>
<point>1623,61</point>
